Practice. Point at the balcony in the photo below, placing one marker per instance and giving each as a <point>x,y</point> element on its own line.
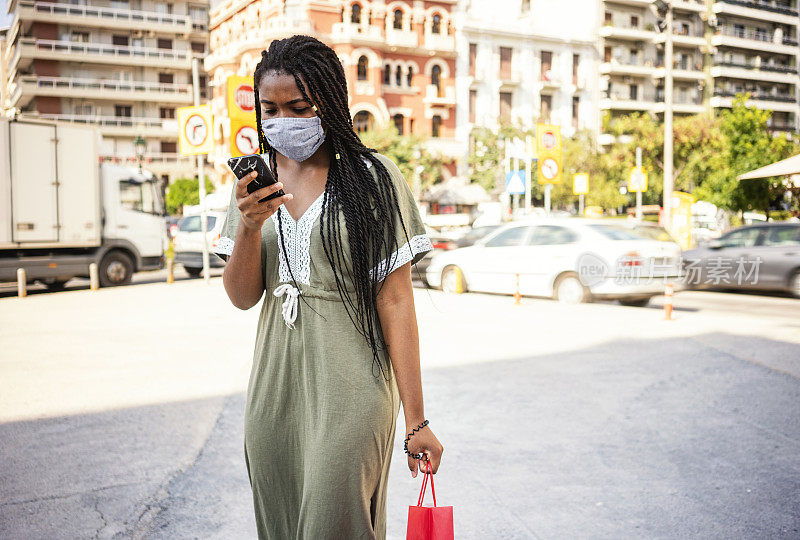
<point>621,66</point>
<point>121,125</point>
<point>34,85</point>
<point>762,10</point>
<point>349,32</point>
<point>435,97</point>
<point>774,102</point>
<point>679,38</point>
<point>264,32</point>
<point>625,103</point>
<point>696,6</point>
<point>401,38</point>
<point>778,74</point>
<point>627,33</point>
<point>103,53</point>
<point>105,17</point>
<point>551,80</point>
<point>156,162</point>
<point>440,42</point>
<point>748,38</point>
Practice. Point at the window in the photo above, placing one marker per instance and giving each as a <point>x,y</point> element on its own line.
<point>164,43</point>
<point>409,75</point>
<point>552,235</point>
<point>633,59</point>
<point>122,110</point>
<point>505,62</point>
<point>634,21</point>
<point>198,13</point>
<point>361,69</point>
<point>436,24</point>
<point>192,223</point>
<point>545,106</point>
<point>505,105</point>
<point>576,105</point>
<point>473,53</point>
<point>526,6</point>
<point>387,74</point>
<point>547,64</point>
<point>576,59</point>
<point>79,37</point>
<point>355,14</point>
<point>615,232</point>
<point>164,9</point>
<point>398,123</point>
<point>411,125</point>
<point>198,47</point>
<point>398,76</point>
<point>608,18</point>
<point>509,237</point>
<point>633,92</point>
<point>436,126</point>
<point>782,236</point>
<point>167,112</point>
<point>137,196</point>
<point>362,121</point>
<point>120,40</point>
<point>607,52</point>
<point>473,99</point>
<point>741,238</point>
<point>398,19</point>
<point>84,109</point>
<point>436,78</point>
<point>120,4</point>
<point>166,78</point>
<point>169,147</point>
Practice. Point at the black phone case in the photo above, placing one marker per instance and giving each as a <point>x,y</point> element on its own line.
<point>243,165</point>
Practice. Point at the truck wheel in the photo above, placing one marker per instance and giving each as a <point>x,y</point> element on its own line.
<point>194,272</point>
<point>116,268</point>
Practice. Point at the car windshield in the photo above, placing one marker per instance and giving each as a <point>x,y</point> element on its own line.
<point>653,233</point>
<point>615,232</point>
<point>192,223</point>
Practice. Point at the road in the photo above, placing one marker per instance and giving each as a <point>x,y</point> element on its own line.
<point>121,414</point>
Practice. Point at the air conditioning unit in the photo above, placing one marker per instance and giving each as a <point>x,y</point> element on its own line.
<point>138,33</point>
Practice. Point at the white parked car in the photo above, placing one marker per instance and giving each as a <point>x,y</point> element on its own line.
<point>189,242</point>
<point>570,259</point>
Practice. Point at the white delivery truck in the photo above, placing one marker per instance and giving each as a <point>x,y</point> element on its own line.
<point>62,208</point>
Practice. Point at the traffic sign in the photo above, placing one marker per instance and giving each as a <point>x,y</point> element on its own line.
<point>515,183</point>
<point>548,147</point>
<point>580,184</point>
<point>241,98</point>
<point>637,179</point>
<point>243,139</point>
<point>195,130</point>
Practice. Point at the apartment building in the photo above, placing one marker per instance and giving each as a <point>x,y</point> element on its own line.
<point>398,56</point>
<point>527,61</point>
<point>720,48</point>
<point>123,65</point>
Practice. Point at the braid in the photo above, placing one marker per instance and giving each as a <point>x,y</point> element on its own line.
<point>350,189</point>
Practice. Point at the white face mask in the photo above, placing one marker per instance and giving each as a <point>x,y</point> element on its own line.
<point>295,138</point>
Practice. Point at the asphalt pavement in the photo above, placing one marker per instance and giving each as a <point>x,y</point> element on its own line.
<point>121,416</point>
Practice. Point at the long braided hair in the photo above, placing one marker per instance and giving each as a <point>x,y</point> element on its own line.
<point>368,206</point>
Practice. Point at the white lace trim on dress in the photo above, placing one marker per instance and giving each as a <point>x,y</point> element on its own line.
<point>418,244</point>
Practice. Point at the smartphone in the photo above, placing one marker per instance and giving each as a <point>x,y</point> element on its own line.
<point>244,165</point>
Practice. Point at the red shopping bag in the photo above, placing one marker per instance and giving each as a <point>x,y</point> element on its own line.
<point>429,522</point>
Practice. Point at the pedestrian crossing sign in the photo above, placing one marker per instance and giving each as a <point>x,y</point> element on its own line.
<point>515,185</point>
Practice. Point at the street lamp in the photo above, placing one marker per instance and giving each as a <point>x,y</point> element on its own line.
<point>139,145</point>
<point>664,9</point>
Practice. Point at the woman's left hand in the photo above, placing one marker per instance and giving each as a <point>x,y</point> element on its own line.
<point>425,442</point>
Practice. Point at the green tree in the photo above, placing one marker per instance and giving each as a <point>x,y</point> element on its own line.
<point>745,144</point>
<point>185,191</point>
<point>407,151</point>
<point>487,149</point>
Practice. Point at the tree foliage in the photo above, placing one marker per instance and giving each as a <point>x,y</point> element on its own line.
<point>407,151</point>
<point>185,191</point>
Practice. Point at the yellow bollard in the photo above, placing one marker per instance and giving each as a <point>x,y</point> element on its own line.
<point>22,283</point>
<point>459,286</point>
<point>517,296</point>
<point>170,276</point>
<point>669,290</point>
<point>94,282</point>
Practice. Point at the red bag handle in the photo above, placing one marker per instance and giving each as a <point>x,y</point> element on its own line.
<point>428,470</point>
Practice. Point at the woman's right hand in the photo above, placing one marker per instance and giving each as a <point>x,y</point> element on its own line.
<point>254,213</point>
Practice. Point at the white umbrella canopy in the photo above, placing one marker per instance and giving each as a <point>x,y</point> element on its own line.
<point>779,168</point>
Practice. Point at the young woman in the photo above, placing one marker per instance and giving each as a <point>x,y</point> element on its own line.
<point>337,345</point>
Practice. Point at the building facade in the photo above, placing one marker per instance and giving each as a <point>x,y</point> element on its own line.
<point>720,48</point>
<point>527,61</point>
<point>123,65</point>
<point>399,59</point>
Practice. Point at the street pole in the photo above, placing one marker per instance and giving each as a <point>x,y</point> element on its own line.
<point>201,176</point>
<point>528,173</point>
<point>668,134</point>
<point>547,187</point>
<point>580,204</point>
<point>639,192</point>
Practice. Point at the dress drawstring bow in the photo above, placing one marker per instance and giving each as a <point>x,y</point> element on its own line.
<point>289,306</point>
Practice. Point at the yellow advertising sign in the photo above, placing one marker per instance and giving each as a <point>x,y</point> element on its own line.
<point>241,98</point>
<point>243,138</point>
<point>195,130</point>
<point>548,147</point>
<point>682,218</point>
<point>637,180</point>
<point>580,184</point>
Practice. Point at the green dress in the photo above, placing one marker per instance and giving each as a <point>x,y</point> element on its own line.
<point>320,418</point>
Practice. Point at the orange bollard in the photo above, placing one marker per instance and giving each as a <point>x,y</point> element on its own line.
<point>517,296</point>
<point>668,292</point>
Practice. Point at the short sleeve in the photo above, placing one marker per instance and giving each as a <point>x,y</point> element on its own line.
<point>224,246</point>
<point>414,246</point>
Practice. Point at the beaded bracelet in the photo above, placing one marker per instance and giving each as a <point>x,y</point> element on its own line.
<point>405,444</point>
